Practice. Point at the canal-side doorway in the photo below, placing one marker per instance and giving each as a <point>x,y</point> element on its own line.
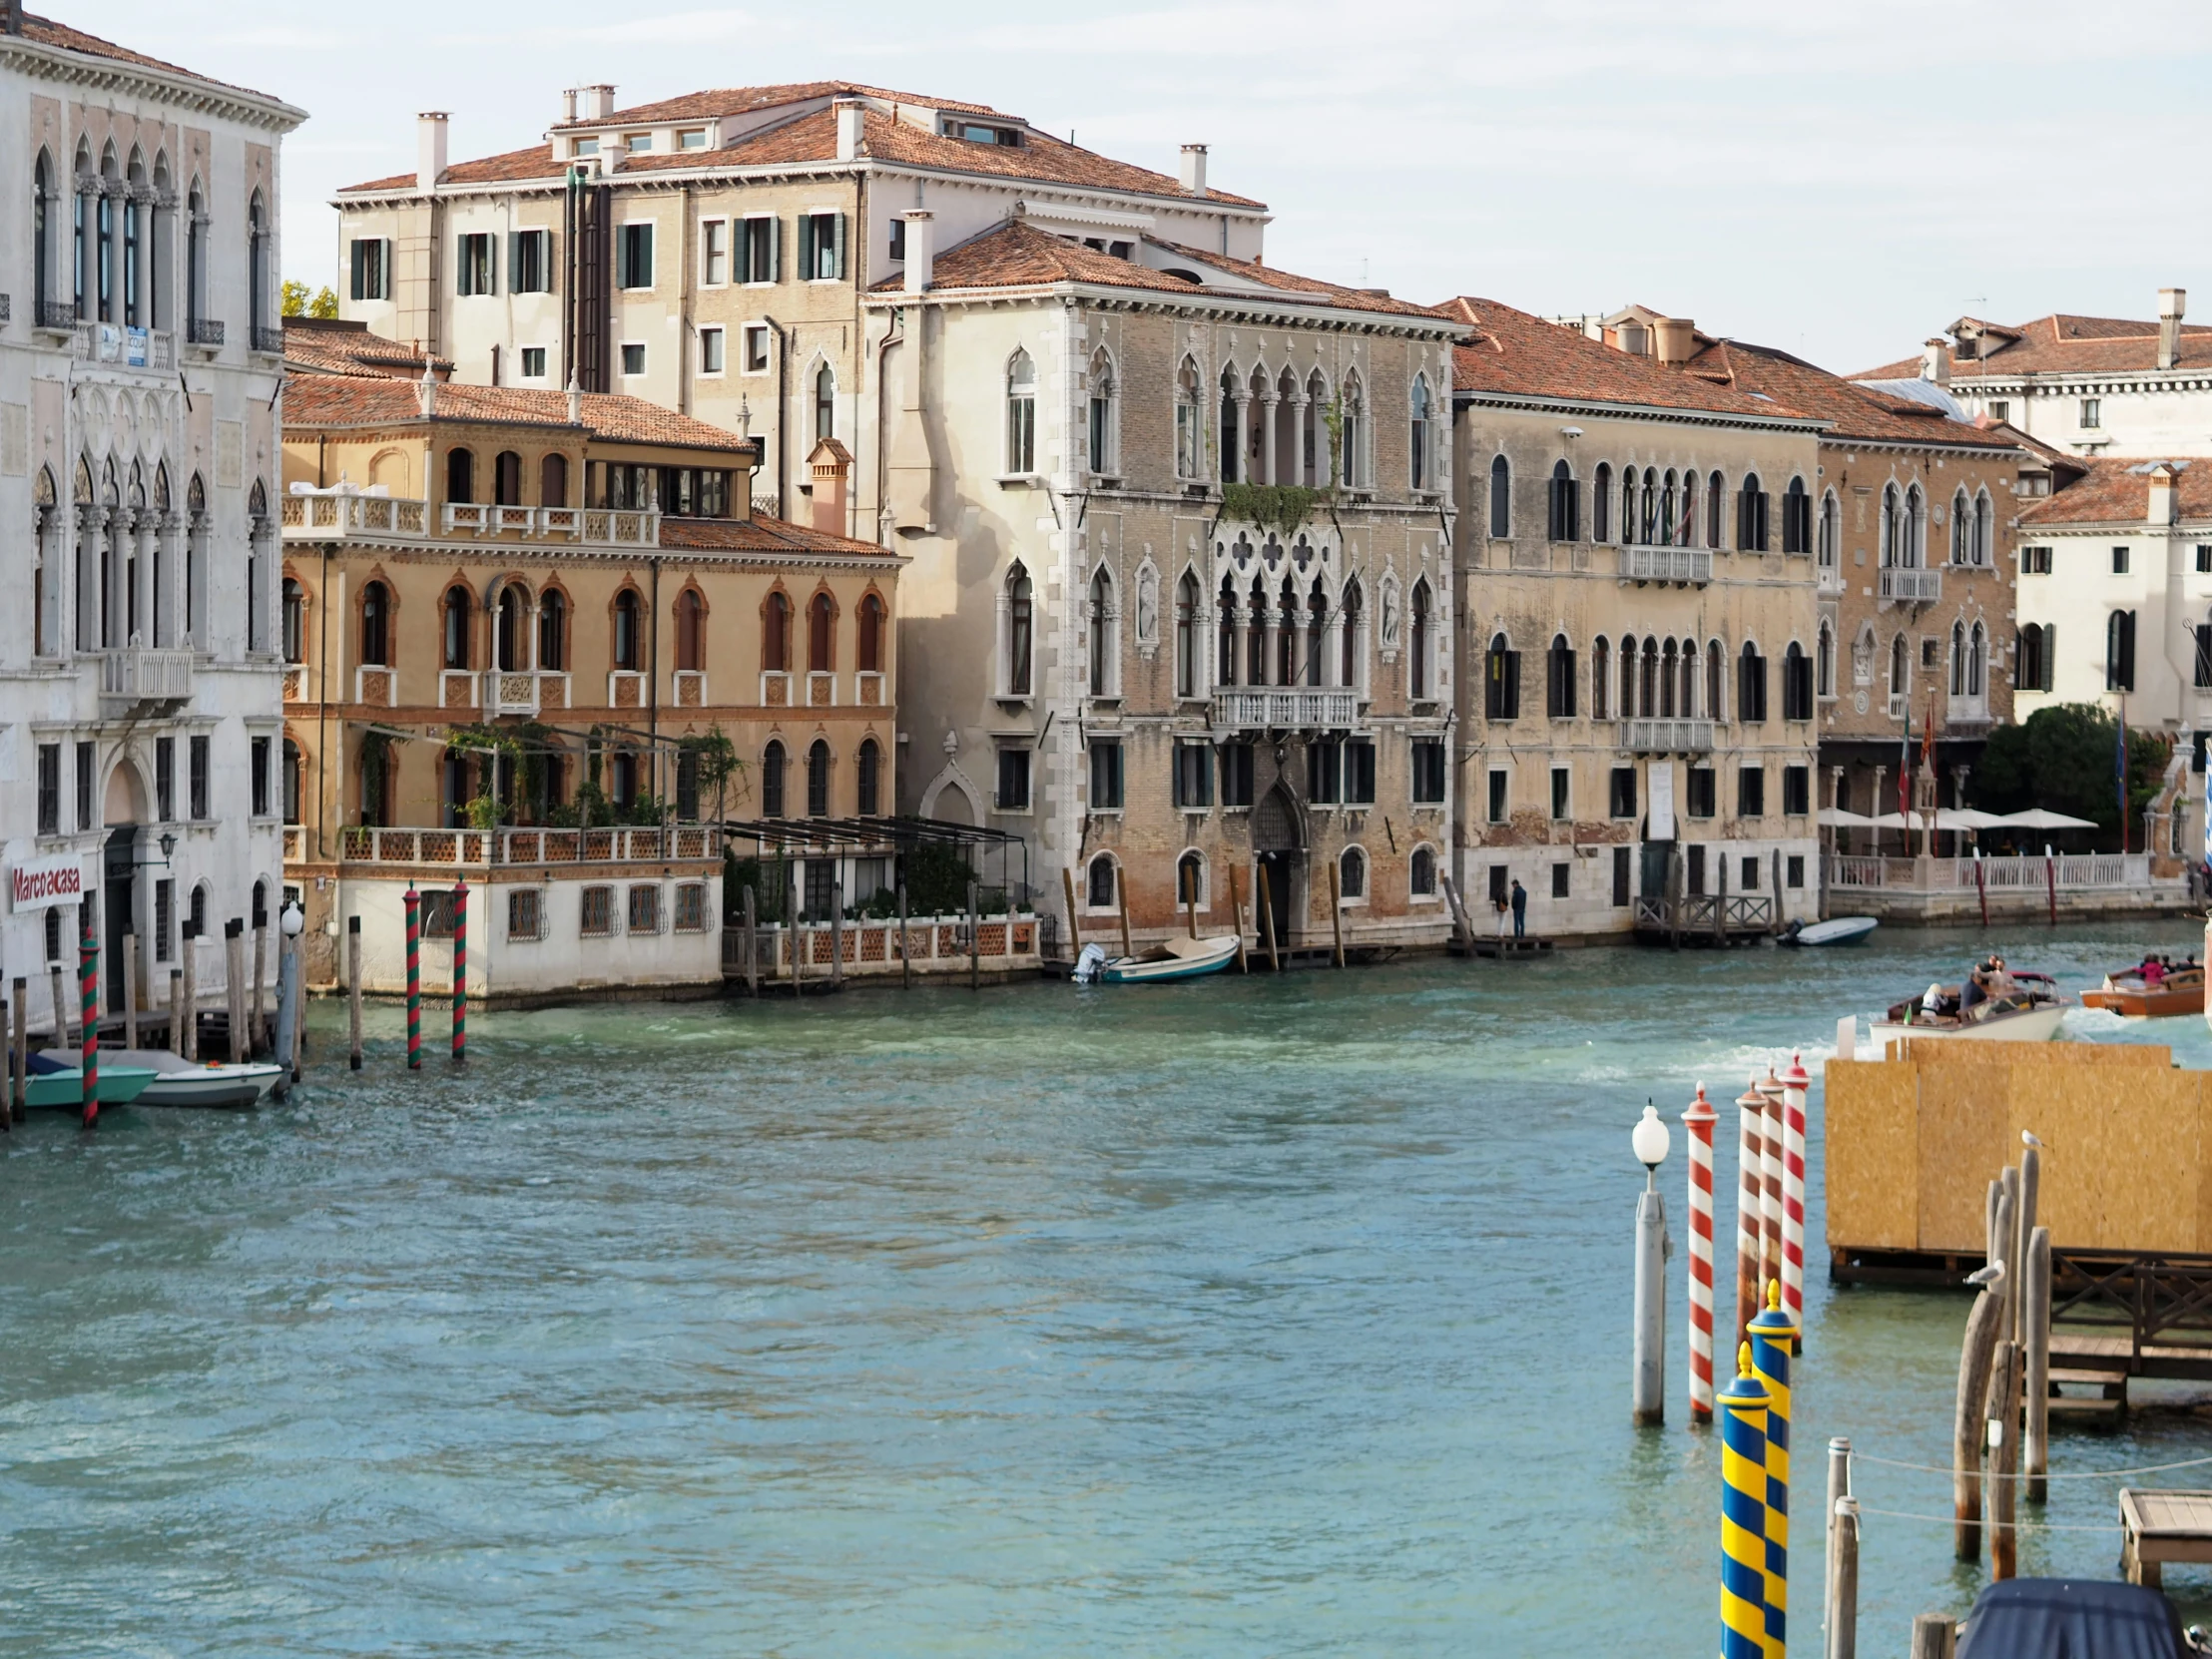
<point>1278,849</point>
<point>119,895</point>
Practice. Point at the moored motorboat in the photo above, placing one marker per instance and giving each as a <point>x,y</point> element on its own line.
<point>53,1083</point>
<point>2028,1012</point>
<point>1837,931</point>
<point>1174,958</point>
<point>2150,990</point>
<point>182,1083</point>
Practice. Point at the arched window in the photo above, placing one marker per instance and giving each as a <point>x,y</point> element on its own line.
<point>1231,429</point>
<point>1824,667</point>
<point>1501,496</point>
<point>1190,423</point>
<point>135,198</point>
<point>1100,430</point>
<point>1900,668</point>
<point>1716,680</point>
<point>1286,636</point>
<point>1352,878</point>
<point>1601,503</point>
<point>1716,497</point>
<point>376,625</point>
<point>1915,528</point>
<point>1187,666</point>
<point>1861,655</point>
<point>1797,684</point>
<point>1422,670</point>
<point>42,251</point>
<point>1893,527</point>
<point>506,479</point>
<point>1564,518</point>
<point>295,622</point>
<point>1958,658</point>
<point>1669,679</point>
<point>1422,877</point>
<point>552,631</point>
<point>1190,879</point>
<point>1687,534</point>
<point>1751,515</point>
<point>1630,518</point>
<point>1352,430</point>
<point>1021,415</point>
<point>514,628</point>
<point>868,655</point>
<point>825,403</point>
<point>1559,679</point>
<point>195,261</point>
<point>628,644</point>
<point>1977,654</point>
<point>1316,636</point>
<point>553,480</point>
<point>1225,656</point>
<point>1796,518</point>
<point>1102,630</point>
<point>257,264</point>
<point>771,779</point>
<point>1984,530</point>
<point>1830,539</point>
<point>1419,439</point>
<point>457,611</point>
<point>821,634</point>
<point>460,475</point>
<point>1751,686</point>
<point>1098,883</point>
<point>1962,529</point>
<point>1349,675</point>
<point>1689,679</point>
<point>291,782</point>
<point>2030,669</point>
<point>1256,636</point>
<point>1019,631</point>
<point>867,777</point>
<point>690,632</point>
<point>1648,529</point>
<point>776,633</point>
<point>817,779</point>
<point>1601,688</point>
<point>1666,510</point>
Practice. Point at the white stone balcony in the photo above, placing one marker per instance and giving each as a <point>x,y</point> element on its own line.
<point>138,679</point>
<point>1286,708</point>
<point>348,511</point>
<point>1667,737</point>
<point>1911,587</point>
<point>1689,565</point>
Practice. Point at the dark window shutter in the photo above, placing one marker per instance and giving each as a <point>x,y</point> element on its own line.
<point>839,249</point>
<point>1513,685</point>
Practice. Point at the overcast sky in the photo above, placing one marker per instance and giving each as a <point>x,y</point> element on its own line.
<point>1838,180</point>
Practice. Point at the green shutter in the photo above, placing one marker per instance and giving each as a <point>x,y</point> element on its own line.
<point>838,246</point>
<point>775,249</point>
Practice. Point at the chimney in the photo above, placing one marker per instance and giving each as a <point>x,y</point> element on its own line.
<point>599,103</point>
<point>15,17</point>
<point>831,464</point>
<point>1676,339</point>
<point>430,149</point>
<point>920,249</point>
<point>849,114</point>
<point>2170,305</point>
<point>568,105</point>
<point>1935,362</point>
<point>575,403</point>
<point>2161,506</point>
<point>1194,168</point>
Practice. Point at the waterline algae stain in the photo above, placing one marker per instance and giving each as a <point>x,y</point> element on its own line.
<point>1258,1316</point>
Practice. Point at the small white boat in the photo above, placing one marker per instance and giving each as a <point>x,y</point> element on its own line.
<point>1176,958</point>
<point>2031,1015</point>
<point>1837,931</point>
<point>183,1082</point>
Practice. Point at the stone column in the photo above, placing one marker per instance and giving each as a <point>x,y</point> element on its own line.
<point>1244,436</point>
<point>1267,441</point>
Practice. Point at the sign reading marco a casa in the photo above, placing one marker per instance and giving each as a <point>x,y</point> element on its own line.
<point>45,882</point>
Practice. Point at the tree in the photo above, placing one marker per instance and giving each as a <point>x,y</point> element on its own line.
<point>2060,758</point>
<point>297,302</point>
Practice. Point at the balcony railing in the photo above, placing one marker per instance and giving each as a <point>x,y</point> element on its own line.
<point>1666,564</point>
<point>269,339</point>
<point>1912,587</point>
<point>347,510</point>
<point>2067,872</point>
<point>364,844</point>
<point>508,692</point>
<point>201,330</point>
<point>54,317</point>
<point>141,676</point>
<point>1287,709</point>
<point>1900,704</point>
<point>123,346</point>
<point>1667,737</point>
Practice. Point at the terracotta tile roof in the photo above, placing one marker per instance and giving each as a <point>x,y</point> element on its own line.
<point>705,106</point>
<point>813,137</point>
<point>1016,253</point>
<point>326,345</point>
<point>1853,411</point>
<point>2118,492</point>
<point>764,535</point>
<point>46,32</point>
<point>2061,345</point>
<point>362,400</point>
<point>1517,354</point>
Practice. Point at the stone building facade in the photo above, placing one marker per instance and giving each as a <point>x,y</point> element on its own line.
<point>1636,629</point>
<point>1181,598</point>
<point>709,252</point>
<point>139,358</point>
<point>520,627</point>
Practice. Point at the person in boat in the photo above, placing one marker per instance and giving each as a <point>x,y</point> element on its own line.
<point>1931,1002</point>
<point>1975,991</point>
<point>2154,973</point>
<point>2000,986</point>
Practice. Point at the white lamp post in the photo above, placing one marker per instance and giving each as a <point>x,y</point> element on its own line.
<point>1650,1139</point>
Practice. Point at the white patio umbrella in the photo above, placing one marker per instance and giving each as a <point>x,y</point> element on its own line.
<point>1839,818</point>
<point>2040,818</point>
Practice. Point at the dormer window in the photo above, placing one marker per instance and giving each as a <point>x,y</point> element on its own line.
<point>694,139</point>
<point>635,141</point>
<point>586,147</point>
<point>975,132</point>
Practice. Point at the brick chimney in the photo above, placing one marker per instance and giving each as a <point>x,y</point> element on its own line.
<point>832,466</point>
<point>430,149</point>
<point>1194,168</point>
<point>1675,338</point>
<point>599,102</point>
<point>1935,362</point>
<point>851,113</point>
<point>921,250</point>
<point>2161,506</point>
<point>2171,302</point>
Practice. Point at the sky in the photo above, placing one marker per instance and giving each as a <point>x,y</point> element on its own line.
<point>1839,180</point>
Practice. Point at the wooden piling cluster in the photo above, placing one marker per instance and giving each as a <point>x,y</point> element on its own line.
<point>2001,1418</point>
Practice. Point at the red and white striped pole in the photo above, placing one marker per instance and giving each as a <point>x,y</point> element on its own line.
<point>1699,1121</point>
<point>1770,1207</point>
<point>1795,1082</point>
<point>1751,1186</point>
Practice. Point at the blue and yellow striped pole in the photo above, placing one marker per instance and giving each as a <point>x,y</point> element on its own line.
<point>1773,1339</point>
<point>1743,1414</point>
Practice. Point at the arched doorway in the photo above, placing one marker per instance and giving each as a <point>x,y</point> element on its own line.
<point>123,814</point>
<point>1278,844</point>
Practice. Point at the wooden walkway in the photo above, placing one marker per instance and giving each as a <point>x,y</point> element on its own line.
<point>2161,1526</point>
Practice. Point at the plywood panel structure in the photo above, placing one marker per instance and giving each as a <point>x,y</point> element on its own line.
<point>1873,1151</point>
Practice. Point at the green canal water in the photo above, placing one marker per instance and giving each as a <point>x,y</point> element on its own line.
<point>1250,1316</point>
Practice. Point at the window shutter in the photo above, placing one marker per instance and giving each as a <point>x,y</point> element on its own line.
<point>622,260</point>
<point>775,249</point>
<point>354,251</point>
<point>839,230</point>
<point>514,261</point>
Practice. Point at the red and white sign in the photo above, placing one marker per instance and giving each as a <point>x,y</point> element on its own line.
<point>46,883</point>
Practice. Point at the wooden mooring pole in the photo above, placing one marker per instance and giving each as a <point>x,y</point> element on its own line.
<point>354,992</point>
<point>2035,1439</point>
<point>791,929</point>
<point>1976,1354</point>
<point>233,988</point>
<point>905,956</point>
<point>177,1011</point>
<point>61,1006</point>
<point>1934,1636</point>
<point>974,938</point>
<point>1236,915</point>
<point>1842,1580</point>
<point>129,990</point>
<point>1075,925</point>
<point>837,935</point>
<point>1267,923</point>
<point>18,1046</point>
<point>752,941</point>
<point>2002,1434</point>
<point>1335,914</point>
<point>256,1022</point>
<point>1121,904</point>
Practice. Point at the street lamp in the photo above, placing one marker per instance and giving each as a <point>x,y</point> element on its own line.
<point>292,920</point>
<point>167,846</point>
<point>1651,1141</point>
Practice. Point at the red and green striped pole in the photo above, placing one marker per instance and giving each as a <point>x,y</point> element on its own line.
<point>88,989</point>
<point>414,978</point>
<point>460,971</point>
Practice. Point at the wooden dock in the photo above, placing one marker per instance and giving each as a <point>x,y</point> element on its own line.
<point>1493,949</point>
<point>2161,1526</point>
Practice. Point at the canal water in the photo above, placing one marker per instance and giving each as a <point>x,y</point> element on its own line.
<point>1250,1317</point>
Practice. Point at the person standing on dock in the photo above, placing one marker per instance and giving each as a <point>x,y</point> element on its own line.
<point>1521,909</point>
